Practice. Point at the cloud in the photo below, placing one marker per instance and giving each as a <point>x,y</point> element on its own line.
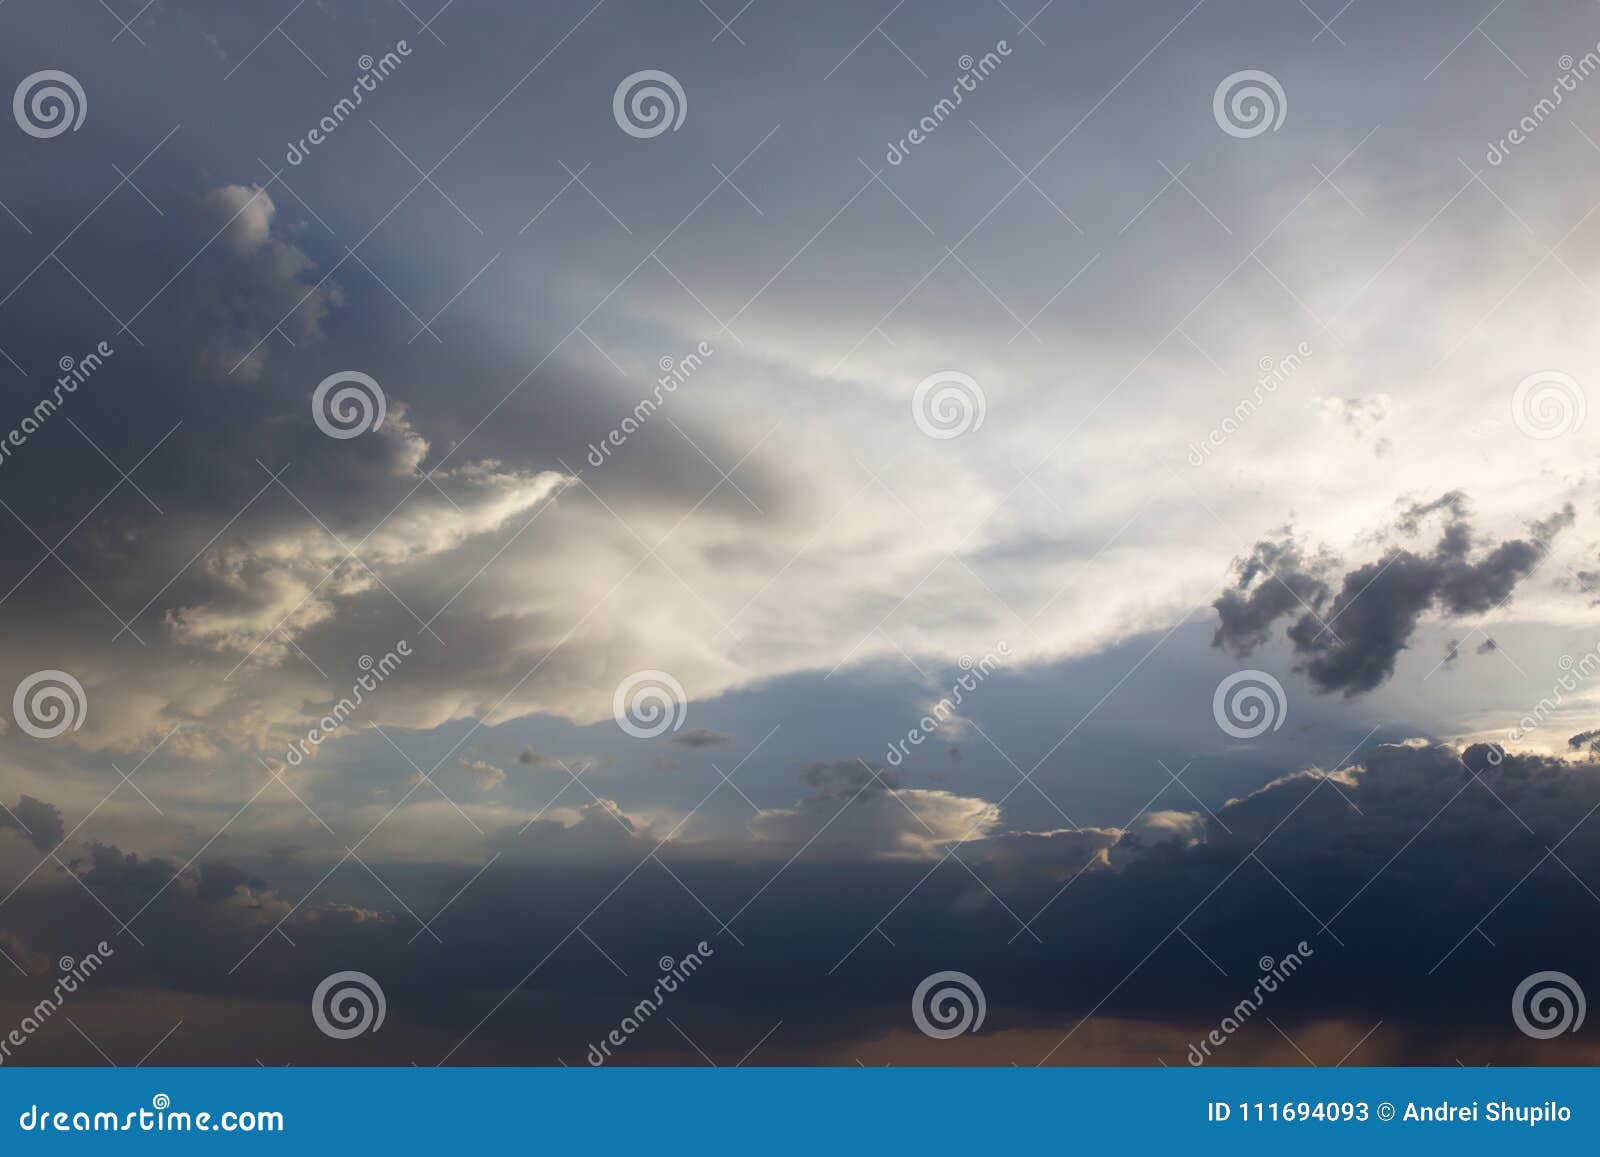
<point>596,831</point>
<point>260,283</point>
<point>1359,415</point>
<point>781,516</point>
<point>1348,639</point>
<point>35,820</point>
<point>700,737</point>
<point>486,775</point>
<point>1384,867</point>
<point>266,590</point>
<point>855,807</point>
<point>242,216</point>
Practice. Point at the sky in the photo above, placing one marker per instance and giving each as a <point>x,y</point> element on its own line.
<point>1072,506</point>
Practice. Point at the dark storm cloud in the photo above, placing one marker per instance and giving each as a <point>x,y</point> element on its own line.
<point>1588,582</point>
<point>36,821</point>
<point>701,737</point>
<point>1373,851</point>
<point>1348,639</point>
<point>1452,503</point>
<point>842,778</point>
<point>1275,579</point>
<point>830,916</point>
<point>220,881</point>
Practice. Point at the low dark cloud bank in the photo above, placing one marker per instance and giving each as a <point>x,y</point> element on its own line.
<point>1426,880</point>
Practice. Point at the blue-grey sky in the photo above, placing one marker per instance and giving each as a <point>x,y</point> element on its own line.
<point>938,470</point>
